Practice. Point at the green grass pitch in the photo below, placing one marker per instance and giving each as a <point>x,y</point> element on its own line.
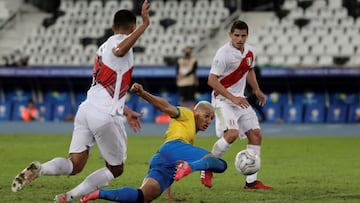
<point>301,169</point>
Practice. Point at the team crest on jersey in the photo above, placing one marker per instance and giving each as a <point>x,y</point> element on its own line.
<point>248,61</point>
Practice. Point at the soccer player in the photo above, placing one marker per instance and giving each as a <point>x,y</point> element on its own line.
<point>176,156</point>
<point>100,118</point>
<point>232,67</point>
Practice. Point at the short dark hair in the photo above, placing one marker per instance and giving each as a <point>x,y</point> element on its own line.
<point>124,19</point>
<point>239,24</point>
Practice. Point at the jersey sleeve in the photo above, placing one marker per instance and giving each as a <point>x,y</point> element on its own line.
<point>219,63</point>
<point>253,64</point>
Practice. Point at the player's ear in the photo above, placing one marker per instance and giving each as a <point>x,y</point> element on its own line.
<point>113,28</point>
<point>133,27</point>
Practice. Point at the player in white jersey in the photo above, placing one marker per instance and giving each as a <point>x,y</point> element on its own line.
<point>231,69</point>
<point>100,118</point>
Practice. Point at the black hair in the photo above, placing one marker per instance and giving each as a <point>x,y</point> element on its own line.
<point>241,25</point>
<point>124,19</point>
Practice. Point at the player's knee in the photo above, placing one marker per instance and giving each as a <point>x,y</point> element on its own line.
<point>76,169</point>
<point>140,197</point>
<point>231,136</point>
<point>116,170</point>
<point>254,137</point>
<point>223,165</point>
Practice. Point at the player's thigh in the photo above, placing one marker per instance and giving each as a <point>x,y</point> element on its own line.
<point>226,117</point>
<point>151,188</point>
<point>82,137</point>
<point>161,170</point>
<point>178,150</point>
<point>248,121</point>
<point>111,139</point>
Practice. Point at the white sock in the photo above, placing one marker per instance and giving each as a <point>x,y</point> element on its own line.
<point>253,149</point>
<point>220,147</point>
<point>57,166</point>
<point>94,181</point>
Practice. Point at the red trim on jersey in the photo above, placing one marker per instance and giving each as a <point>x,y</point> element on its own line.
<point>107,78</point>
<point>103,74</point>
<point>240,71</point>
<point>125,82</point>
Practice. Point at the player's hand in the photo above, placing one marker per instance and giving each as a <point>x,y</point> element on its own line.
<point>261,97</point>
<point>137,89</point>
<point>241,101</point>
<point>133,119</point>
<point>170,197</point>
<point>145,12</point>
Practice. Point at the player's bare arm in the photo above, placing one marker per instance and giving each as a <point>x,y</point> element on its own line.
<point>122,48</point>
<point>158,102</point>
<point>251,79</point>
<point>213,81</point>
<point>133,119</point>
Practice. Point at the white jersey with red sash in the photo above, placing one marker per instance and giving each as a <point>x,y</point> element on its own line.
<point>232,67</point>
<point>111,78</point>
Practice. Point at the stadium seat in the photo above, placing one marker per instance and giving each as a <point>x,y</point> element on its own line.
<point>325,60</point>
<point>332,49</point>
<point>293,60</point>
<point>18,94</point>
<point>293,113</point>
<point>314,113</point>
<point>286,49</point>
<point>278,60</point>
<point>277,98</point>
<point>45,111</point>
<point>131,101</point>
<point>336,113</point>
<point>61,110</point>
<point>309,97</point>
<point>172,98</point>
<point>202,97</point>
<point>302,49</point>
<point>354,113</point>
<point>18,106</point>
<point>126,4</point>
<point>5,111</point>
<point>57,96</point>
<point>148,111</point>
<point>79,98</point>
<point>4,12</point>
<point>273,113</point>
<point>344,98</point>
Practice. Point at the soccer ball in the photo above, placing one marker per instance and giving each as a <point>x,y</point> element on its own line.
<point>247,163</point>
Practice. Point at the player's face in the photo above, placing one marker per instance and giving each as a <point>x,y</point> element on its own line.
<point>238,38</point>
<point>203,118</point>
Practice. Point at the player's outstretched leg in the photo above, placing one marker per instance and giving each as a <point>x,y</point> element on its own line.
<point>26,176</point>
<point>257,185</point>
<point>206,178</point>
<point>63,198</point>
<point>123,194</point>
<point>210,163</point>
<point>183,169</point>
<point>91,196</point>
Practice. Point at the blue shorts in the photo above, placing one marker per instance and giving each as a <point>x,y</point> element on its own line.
<point>163,163</point>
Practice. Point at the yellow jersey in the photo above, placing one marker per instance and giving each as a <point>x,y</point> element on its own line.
<point>182,127</point>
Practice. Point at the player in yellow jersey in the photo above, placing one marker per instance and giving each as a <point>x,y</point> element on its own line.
<point>176,158</point>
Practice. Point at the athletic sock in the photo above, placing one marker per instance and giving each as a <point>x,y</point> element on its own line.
<point>124,194</point>
<point>94,181</point>
<point>209,163</point>
<point>56,166</point>
<point>252,149</point>
<point>220,147</point>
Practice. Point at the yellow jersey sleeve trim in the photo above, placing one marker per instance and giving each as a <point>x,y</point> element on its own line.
<point>179,113</point>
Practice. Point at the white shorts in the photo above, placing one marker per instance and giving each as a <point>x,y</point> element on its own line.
<point>94,127</point>
<point>230,116</point>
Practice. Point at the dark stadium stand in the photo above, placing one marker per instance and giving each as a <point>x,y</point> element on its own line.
<point>308,52</point>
